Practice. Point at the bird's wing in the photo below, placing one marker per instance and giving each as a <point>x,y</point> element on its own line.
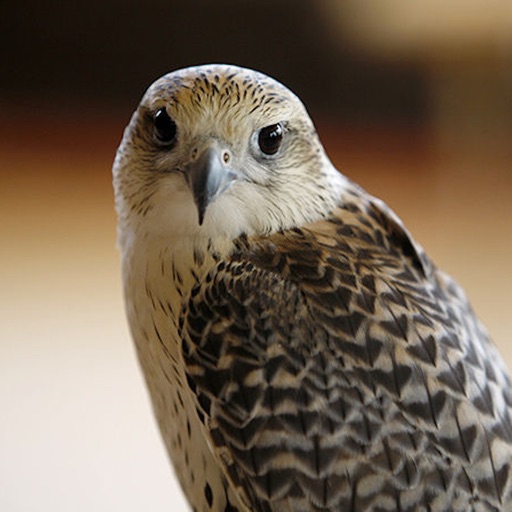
<point>335,368</point>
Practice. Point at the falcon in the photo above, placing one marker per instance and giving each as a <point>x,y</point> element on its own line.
<point>301,350</point>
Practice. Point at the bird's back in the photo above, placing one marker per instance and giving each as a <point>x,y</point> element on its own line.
<point>336,368</point>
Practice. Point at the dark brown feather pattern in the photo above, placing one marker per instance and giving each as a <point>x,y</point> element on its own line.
<point>339,370</point>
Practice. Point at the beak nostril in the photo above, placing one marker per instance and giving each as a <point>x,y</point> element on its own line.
<point>226,157</point>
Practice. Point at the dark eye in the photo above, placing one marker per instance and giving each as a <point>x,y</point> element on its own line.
<point>165,127</point>
<point>270,138</point>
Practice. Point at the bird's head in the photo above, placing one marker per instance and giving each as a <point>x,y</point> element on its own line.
<point>220,151</point>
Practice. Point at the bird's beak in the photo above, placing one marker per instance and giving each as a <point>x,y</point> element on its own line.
<point>207,177</point>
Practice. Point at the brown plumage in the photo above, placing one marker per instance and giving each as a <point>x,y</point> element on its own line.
<point>301,350</point>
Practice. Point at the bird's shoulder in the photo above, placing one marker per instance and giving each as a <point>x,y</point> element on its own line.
<point>356,247</point>
<point>337,349</point>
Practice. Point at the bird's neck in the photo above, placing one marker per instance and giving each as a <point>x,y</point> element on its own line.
<point>165,270</point>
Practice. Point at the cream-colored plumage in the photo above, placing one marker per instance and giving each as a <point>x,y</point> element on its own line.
<point>301,351</point>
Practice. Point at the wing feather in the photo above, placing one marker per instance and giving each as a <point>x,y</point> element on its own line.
<point>336,368</point>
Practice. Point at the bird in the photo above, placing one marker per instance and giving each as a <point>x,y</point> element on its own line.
<point>301,350</point>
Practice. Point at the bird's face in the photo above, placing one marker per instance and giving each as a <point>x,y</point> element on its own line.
<point>219,151</point>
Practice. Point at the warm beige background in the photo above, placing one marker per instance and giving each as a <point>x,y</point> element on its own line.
<point>76,432</point>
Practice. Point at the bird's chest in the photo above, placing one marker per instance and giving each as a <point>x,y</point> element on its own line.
<point>153,305</point>
<point>157,283</point>
<point>155,293</point>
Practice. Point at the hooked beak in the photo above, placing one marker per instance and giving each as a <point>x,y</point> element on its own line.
<point>207,177</point>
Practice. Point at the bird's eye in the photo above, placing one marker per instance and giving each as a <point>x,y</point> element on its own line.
<point>165,127</point>
<point>270,138</point>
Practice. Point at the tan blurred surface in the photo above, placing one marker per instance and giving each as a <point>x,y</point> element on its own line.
<point>76,430</point>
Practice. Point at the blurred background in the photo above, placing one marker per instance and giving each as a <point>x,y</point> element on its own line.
<point>413,100</point>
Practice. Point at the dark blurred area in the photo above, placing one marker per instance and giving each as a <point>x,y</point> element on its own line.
<point>71,53</point>
<point>446,69</point>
